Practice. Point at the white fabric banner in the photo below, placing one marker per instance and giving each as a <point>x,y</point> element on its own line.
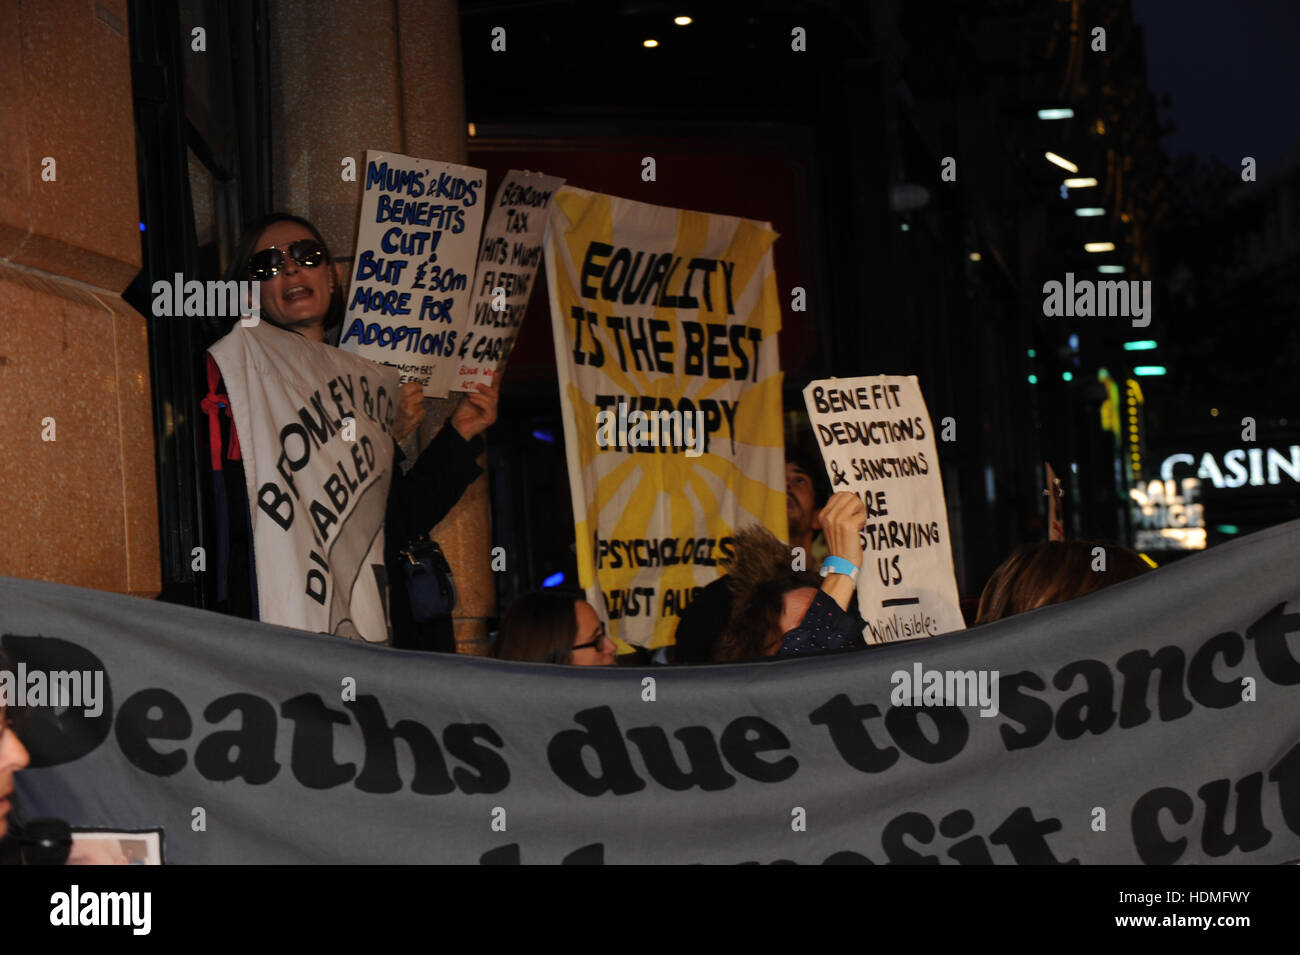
<point>665,325</point>
<point>313,425</point>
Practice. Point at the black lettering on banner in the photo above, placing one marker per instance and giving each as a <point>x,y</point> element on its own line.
<point>312,754</point>
<point>1091,711</point>
<point>1033,714</point>
<point>379,774</point>
<point>136,726</point>
<point>253,741</point>
<point>742,740</point>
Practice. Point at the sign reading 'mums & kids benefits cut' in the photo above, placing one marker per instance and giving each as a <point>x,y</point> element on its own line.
<point>416,245</point>
<point>665,325</point>
<point>508,258</point>
<point>878,443</point>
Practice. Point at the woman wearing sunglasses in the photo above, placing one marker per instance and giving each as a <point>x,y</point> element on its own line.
<point>554,626</point>
<point>301,293</point>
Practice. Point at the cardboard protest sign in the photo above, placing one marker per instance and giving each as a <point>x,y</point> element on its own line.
<point>416,245</point>
<point>665,325</point>
<point>1167,704</point>
<point>508,258</point>
<point>313,425</point>
<point>877,442</point>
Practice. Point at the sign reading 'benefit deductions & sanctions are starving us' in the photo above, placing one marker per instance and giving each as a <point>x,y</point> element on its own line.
<point>877,442</point>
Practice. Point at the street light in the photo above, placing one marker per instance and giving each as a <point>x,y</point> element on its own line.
<point>1061,161</point>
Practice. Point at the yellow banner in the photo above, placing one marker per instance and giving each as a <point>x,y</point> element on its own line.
<point>665,324</point>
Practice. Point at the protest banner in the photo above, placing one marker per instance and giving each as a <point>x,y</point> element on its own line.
<point>417,241</point>
<point>665,326</point>
<point>313,424</point>
<point>1155,721</point>
<point>508,257</point>
<point>877,442</point>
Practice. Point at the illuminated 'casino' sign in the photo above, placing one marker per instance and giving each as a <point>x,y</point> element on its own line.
<point>1240,467</point>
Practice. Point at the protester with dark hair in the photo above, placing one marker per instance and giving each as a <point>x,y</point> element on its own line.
<point>300,294</point>
<point>1053,572</point>
<point>769,597</point>
<point>702,622</point>
<point>554,626</point>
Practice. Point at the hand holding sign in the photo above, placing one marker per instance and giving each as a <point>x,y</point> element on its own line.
<point>878,444</point>
<point>477,412</point>
<point>410,411</point>
<point>842,521</point>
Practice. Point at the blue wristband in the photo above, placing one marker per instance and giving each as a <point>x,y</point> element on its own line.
<point>838,565</point>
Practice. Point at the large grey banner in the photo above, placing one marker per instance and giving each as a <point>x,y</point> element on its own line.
<point>1157,721</point>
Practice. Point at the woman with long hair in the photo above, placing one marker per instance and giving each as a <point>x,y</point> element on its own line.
<point>1052,572</point>
<point>301,295</point>
<point>554,626</point>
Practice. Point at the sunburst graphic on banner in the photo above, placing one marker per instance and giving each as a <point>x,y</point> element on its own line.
<point>670,314</point>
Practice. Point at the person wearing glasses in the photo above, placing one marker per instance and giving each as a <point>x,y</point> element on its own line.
<point>554,626</point>
<point>301,294</point>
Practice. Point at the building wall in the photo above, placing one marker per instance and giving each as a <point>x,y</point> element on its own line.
<point>77,479</point>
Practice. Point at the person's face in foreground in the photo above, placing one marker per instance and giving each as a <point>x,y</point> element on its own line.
<point>591,630</point>
<point>800,501</point>
<point>13,757</point>
<point>295,297</point>
<point>793,607</point>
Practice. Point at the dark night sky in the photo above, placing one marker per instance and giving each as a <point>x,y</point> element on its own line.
<point>1233,69</point>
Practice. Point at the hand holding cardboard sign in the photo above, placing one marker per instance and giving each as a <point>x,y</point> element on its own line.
<point>477,411</point>
<point>410,411</point>
<point>842,520</point>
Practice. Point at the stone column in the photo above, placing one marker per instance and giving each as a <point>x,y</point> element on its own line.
<point>354,76</point>
<point>77,469</point>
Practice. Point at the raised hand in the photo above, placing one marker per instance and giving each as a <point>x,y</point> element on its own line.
<point>409,412</point>
<point>477,411</point>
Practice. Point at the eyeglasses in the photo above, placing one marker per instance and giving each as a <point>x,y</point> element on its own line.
<point>265,264</point>
<point>595,643</point>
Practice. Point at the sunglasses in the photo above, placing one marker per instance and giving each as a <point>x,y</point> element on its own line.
<point>306,252</point>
